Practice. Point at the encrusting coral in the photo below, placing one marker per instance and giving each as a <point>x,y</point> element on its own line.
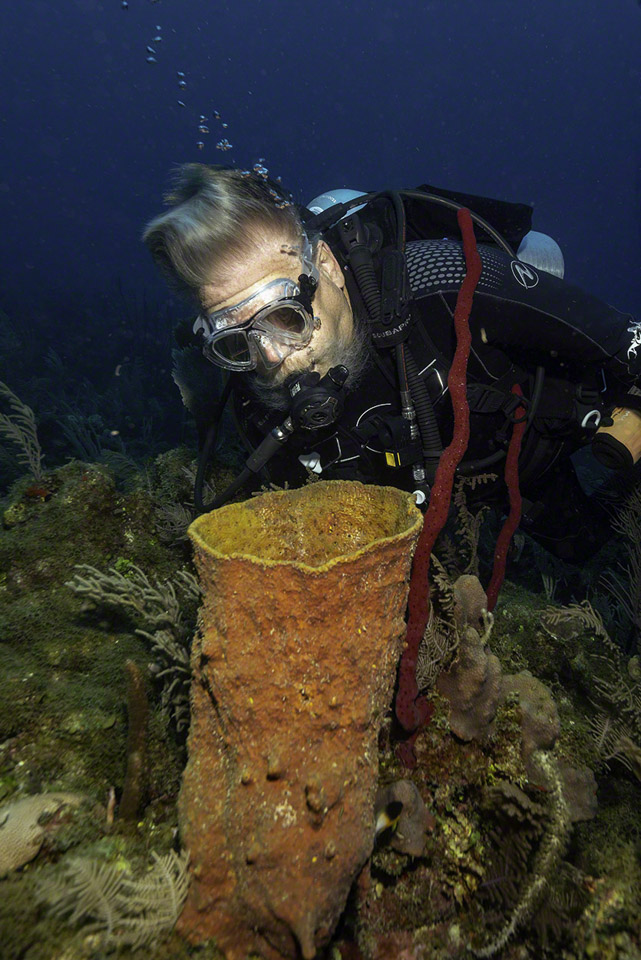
<point>23,825</point>
<point>472,685</point>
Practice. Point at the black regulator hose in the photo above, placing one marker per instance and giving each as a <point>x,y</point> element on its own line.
<point>453,205</point>
<point>362,265</point>
<point>363,268</point>
<point>205,457</point>
<point>226,495</point>
<point>425,415</point>
<point>255,462</point>
<point>207,452</point>
<point>408,375</point>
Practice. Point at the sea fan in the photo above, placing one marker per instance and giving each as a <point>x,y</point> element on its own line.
<point>19,427</point>
<point>125,910</point>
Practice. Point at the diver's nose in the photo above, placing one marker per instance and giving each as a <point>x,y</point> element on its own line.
<point>273,352</point>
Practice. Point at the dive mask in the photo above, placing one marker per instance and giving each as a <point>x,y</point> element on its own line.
<point>265,327</point>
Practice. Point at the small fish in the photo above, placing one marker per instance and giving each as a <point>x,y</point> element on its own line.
<point>401,818</point>
<point>224,126</point>
<point>200,145</point>
<point>157,39</point>
<point>151,60</point>
<point>203,129</point>
<point>124,5</point>
<point>181,103</point>
<point>388,818</point>
<point>182,84</point>
<point>179,73</point>
<point>151,50</point>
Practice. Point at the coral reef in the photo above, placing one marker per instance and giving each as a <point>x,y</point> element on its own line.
<point>122,910</point>
<point>165,608</point>
<point>63,716</point>
<point>23,824</point>
<point>477,851</point>
<point>492,876</point>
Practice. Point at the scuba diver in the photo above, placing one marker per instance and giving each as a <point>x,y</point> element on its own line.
<point>334,323</point>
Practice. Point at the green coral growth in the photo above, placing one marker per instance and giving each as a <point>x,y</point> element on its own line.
<point>63,715</point>
<point>512,865</point>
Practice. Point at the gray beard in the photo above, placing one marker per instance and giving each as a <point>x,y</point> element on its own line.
<point>355,355</point>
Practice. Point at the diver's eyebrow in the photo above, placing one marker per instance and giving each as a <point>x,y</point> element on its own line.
<point>212,307</point>
<point>237,298</point>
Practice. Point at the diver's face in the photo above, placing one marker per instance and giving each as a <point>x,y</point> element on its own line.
<point>331,307</point>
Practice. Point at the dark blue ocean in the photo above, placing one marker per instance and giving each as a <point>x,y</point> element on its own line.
<point>539,103</point>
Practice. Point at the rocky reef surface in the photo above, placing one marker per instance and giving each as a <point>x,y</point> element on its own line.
<point>518,835</point>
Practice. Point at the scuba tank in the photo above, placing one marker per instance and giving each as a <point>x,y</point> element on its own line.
<point>541,251</point>
<point>326,200</point>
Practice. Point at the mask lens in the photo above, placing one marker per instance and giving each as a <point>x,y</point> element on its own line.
<point>286,319</point>
<point>233,348</point>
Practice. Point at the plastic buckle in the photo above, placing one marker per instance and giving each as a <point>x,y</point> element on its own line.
<point>512,403</point>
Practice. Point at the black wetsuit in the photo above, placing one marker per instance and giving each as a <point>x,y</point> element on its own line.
<point>522,318</point>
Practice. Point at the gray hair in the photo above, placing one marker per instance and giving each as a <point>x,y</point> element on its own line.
<point>217,216</point>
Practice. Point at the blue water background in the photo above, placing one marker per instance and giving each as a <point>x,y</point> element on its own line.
<point>535,102</point>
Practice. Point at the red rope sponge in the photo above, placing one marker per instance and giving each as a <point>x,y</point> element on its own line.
<point>514,516</point>
<point>411,710</point>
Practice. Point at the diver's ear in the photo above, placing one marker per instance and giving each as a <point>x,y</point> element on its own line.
<point>328,263</point>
